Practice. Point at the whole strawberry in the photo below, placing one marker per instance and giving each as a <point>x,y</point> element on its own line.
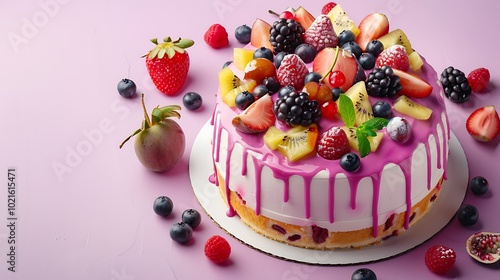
<point>168,64</point>
<point>440,259</point>
<point>394,57</point>
<point>479,79</point>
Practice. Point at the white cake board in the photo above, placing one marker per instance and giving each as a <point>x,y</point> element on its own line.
<point>443,210</point>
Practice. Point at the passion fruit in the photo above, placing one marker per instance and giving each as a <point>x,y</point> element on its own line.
<point>484,247</point>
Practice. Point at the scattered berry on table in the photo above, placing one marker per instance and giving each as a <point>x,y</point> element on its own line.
<point>163,206</point>
<point>440,259</point>
<point>333,143</point>
<point>367,61</point>
<point>345,36</point>
<point>479,79</point>
<point>126,88</point>
<point>181,232</point>
<point>306,52</point>
<point>191,217</point>
<point>192,100</point>
<point>350,162</point>
<point>483,124</point>
<point>353,47</point>
<point>286,35</point>
<point>217,249</point>
<point>363,274</point>
<point>296,109</point>
<point>399,129</point>
<point>468,215</point>
<point>455,85</point>
<point>394,57</point>
<point>242,34</point>
<point>374,47</point>
<point>216,36</point>
<point>382,109</point>
<point>264,52</point>
<point>479,185</point>
<point>382,82</point>
<point>244,99</point>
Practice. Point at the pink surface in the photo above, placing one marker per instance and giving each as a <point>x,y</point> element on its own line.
<point>61,61</point>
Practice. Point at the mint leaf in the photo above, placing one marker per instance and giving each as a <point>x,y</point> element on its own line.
<point>363,143</point>
<point>346,109</point>
<point>375,123</point>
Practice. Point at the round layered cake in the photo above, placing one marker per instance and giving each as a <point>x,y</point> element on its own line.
<point>272,171</point>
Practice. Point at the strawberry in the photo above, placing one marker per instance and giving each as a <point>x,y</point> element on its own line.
<point>479,79</point>
<point>440,259</point>
<point>216,36</point>
<point>373,26</point>
<point>258,117</point>
<point>292,71</point>
<point>394,57</point>
<point>333,143</point>
<point>335,59</point>
<point>412,86</point>
<point>483,124</point>
<point>168,64</point>
<point>320,34</point>
<point>217,249</point>
<point>328,7</point>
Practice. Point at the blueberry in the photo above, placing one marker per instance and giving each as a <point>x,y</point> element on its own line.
<point>271,84</point>
<point>374,47</point>
<point>478,185</point>
<point>259,91</point>
<point>244,99</point>
<point>350,162</point>
<point>242,34</point>
<point>192,100</point>
<point>126,88</point>
<point>336,92</point>
<point>279,57</point>
<point>363,274</point>
<point>306,52</point>
<point>227,63</point>
<point>382,109</point>
<point>163,206</point>
<point>467,215</point>
<point>353,47</point>
<point>312,77</point>
<point>191,217</point>
<point>263,52</point>
<point>345,36</point>
<point>367,61</point>
<point>181,232</point>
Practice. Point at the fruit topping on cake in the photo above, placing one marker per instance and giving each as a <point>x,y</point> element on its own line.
<point>259,36</point>
<point>399,130</point>
<point>304,17</point>
<point>260,68</point>
<point>242,57</point>
<point>341,21</point>
<point>440,259</point>
<point>455,85</point>
<point>258,117</point>
<point>334,60</point>
<point>371,27</point>
<point>483,124</point>
<point>292,71</point>
<point>296,143</point>
<point>328,7</point>
<point>333,143</point>
<point>350,162</point>
<point>321,34</point>
<point>286,35</point>
<point>394,57</point>
<point>479,79</point>
<point>362,106</point>
<point>168,64</point>
<point>408,107</point>
<point>216,36</point>
<point>296,109</point>
<point>412,85</point>
<point>382,82</point>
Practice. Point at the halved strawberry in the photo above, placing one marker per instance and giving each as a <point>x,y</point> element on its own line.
<point>292,71</point>
<point>483,124</point>
<point>257,118</point>
<point>394,57</point>
<point>259,36</point>
<point>344,62</point>
<point>372,27</point>
<point>413,86</point>
<point>303,17</point>
<point>320,34</point>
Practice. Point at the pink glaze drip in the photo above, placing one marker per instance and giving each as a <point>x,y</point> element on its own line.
<point>376,180</point>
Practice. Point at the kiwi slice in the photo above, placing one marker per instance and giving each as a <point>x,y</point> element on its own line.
<point>294,144</point>
<point>228,80</point>
<point>406,106</point>
<point>362,106</point>
<point>396,37</point>
<point>353,139</point>
<point>229,98</point>
<point>341,21</point>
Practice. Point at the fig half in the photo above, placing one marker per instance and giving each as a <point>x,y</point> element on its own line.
<point>484,247</point>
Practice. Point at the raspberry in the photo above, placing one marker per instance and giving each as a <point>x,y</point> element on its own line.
<point>217,249</point>
<point>394,57</point>
<point>440,259</point>
<point>479,79</point>
<point>333,143</point>
<point>292,71</point>
<point>216,36</point>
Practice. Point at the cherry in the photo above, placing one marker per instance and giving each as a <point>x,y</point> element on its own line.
<point>336,79</point>
<point>287,15</point>
<point>329,109</point>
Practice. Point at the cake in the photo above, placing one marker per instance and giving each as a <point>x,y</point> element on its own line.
<point>310,201</point>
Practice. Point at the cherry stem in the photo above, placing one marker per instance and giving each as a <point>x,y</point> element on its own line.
<point>273,13</point>
<point>337,51</point>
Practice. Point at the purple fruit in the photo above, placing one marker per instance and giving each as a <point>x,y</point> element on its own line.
<point>399,129</point>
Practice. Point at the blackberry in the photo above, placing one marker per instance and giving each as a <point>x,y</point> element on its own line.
<point>455,85</point>
<point>286,35</point>
<point>296,109</point>
<point>382,82</point>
